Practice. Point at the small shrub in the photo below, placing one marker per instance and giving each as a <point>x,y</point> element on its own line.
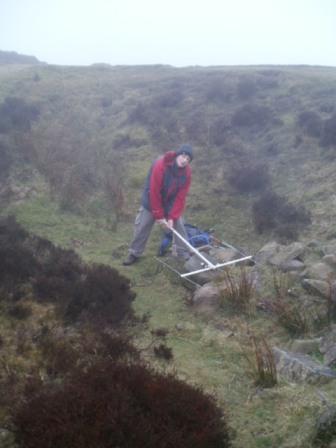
<point>170,98</point>
<point>246,88</point>
<point>328,137</point>
<point>280,283</point>
<point>263,365</point>
<point>218,91</point>
<point>159,332</point>
<point>59,276</point>
<point>106,102</point>
<point>251,115</point>
<point>20,311</point>
<point>238,291</point>
<point>126,140</point>
<point>103,294</point>
<point>63,354</point>
<point>196,127</point>
<point>23,340</point>
<point>59,356</point>
<point>327,107</point>
<point>56,275</point>
<point>249,176</point>
<point>141,113</point>
<point>114,346</point>
<point>218,132</point>
<point>311,123</point>
<point>290,316</point>
<point>114,190</point>
<point>267,82</point>
<point>273,213</point>
<point>163,352</point>
<point>16,114</point>
<point>298,141</point>
<point>17,263</point>
<point>6,160</point>
<point>113,404</point>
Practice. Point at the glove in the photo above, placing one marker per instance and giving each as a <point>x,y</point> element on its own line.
<point>163,223</point>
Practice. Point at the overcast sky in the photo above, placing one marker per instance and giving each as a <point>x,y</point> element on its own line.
<point>175,32</point>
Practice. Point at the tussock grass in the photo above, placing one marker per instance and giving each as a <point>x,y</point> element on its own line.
<point>237,290</point>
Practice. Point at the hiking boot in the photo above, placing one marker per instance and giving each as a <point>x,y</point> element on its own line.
<point>130,260</point>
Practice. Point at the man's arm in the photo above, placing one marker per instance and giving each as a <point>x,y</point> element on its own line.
<point>179,203</point>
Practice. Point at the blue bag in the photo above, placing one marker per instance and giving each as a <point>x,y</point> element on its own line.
<point>196,238</point>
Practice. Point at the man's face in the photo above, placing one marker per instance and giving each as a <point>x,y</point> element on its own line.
<point>182,160</point>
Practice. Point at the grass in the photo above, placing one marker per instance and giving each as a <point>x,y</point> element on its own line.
<point>284,415</point>
<point>202,354</point>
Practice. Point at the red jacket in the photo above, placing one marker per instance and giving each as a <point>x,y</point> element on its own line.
<point>166,188</point>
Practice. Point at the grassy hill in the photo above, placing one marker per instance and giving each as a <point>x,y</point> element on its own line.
<point>75,147</point>
<point>87,129</point>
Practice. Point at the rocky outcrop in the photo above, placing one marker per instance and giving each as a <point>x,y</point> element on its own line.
<point>328,347</point>
<point>297,367</point>
<point>267,252</point>
<point>319,287</point>
<point>313,268</point>
<point>306,346</point>
<point>318,277</point>
<point>206,300</point>
<point>320,271</point>
<point>287,254</point>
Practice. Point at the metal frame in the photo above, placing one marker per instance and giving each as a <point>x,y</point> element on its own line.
<point>207,264</point>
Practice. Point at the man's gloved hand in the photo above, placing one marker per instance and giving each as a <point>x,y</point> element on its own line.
<point>165,224</point>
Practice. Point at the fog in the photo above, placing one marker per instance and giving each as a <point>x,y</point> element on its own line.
<point>178,32</point>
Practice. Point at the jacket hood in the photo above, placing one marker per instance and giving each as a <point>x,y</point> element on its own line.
<point>169,157</point>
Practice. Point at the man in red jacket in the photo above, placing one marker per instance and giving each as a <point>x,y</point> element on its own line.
<point>163,201</point>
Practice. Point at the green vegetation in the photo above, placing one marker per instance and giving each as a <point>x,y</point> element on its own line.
<point>76,149</point>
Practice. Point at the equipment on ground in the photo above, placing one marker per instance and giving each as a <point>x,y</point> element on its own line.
<point>206,263</point>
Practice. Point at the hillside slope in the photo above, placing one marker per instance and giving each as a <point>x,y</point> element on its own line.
<point>87,130</point>
<point>75,147</point>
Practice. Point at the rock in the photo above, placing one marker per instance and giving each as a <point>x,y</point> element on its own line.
<point>325,429</point>
<point>292,265</point>
<point>333,292</point>
<point>314,244</point>
<point>328,347</point>
<point>214,255</point>
<point>306,345</point>
<point>330,248</point>
<point>222,255</point>
<point>299,368</point>
<point>185,326</point>
<point>206,299</point>
<point>287,254</point>
<point>319,271</point>
<point>330,260</point>
<point>319,287</point>
<point>194,263</point>
<point>267,252</point>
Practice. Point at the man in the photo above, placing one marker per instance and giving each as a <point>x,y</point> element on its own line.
<point>163,201</point>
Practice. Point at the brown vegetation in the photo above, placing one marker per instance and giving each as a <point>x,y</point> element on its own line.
<point>274,213</point>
